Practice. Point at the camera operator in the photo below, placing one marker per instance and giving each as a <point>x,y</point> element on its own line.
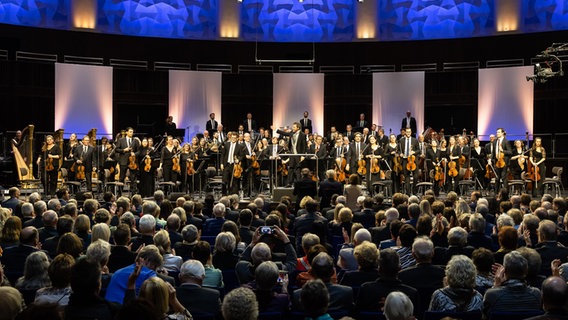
<point>259,251</point>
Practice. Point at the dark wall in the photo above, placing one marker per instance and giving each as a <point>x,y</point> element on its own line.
<point>141,96</point>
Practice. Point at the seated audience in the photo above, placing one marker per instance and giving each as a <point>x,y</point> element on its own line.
<point>240,304</point>
<point>213,276</point>
<point>59,272</point>
<point>189,235</point>
<point>224,256</point>
<point>398,307</point>
<point>266,280</point>
<point>367,257</point>
<point>315,298</point>
<point>191,293</point>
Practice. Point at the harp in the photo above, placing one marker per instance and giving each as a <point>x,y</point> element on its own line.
<point>25,167</point>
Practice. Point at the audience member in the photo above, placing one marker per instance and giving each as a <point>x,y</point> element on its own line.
<point>191,293</point>
<point>240,304</point>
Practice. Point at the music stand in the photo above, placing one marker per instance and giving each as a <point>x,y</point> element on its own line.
<point>477,167</point>
<point>214,160</point>
<point>200,165</point>
<point>272,166</point>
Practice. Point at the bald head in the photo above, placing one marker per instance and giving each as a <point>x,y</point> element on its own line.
<point>29,236</point>
<point>554,293</point>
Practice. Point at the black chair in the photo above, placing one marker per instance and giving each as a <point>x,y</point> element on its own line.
<point>437,315</point>
<point>518,315</point>
<point>370,315</point>
<point>230,279</point>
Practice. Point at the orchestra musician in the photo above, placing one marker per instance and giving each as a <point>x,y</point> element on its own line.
<point>382,138</point>
<point>433,160</point>
<point>250,180</point>
<point>392,152</point>
<point>319,149</point>
<point>221,135</point>
<point>518,160</point>
<point>186,159</point>
<point>296,145</point>
<point>409,122</point>
<point>274,152</point>
<point>85,156</point>
<point>211,124</point>
<point>306,122</point>
<point>373,153</point>
<point>147,170</point>
<point>365,136</point>
<point>408,148</point>
<point>502,152</point>
<point>48,163</point>
<point>125,148</point>
<point>478,161</point>
<point>356,149</point>
<point>361,123</point>
<point>68,156</point>
<point>169,151</point>
<point>421,157</point>
<point>249,124</point>
<point>231,154</point>
<point>537,157</point>
<point>454,153</point>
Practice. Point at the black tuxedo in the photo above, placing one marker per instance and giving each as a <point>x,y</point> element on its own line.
<point>238,152</point>
<point>304,187</point>
<point>382,141</point>
<point>252,124</point>
<point>198,300</point>
<point>306,123</point>
<point>301,147</point>
<point>360,124</point>
<point>402,143</point>
<point>222,136</point>
<point>211,126</point>
<point>354,157</point>
<point>123,156</point>
<point>14,259</point>
<point>87,156</point>
<point>501,179</point>
<point>350,135</point>
<point>412,124</point>
<point>327,189</point>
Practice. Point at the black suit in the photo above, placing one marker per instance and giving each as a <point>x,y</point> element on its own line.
<point>412,124</point>
<point>306,124</point>
<point>413,147</point>
<point>365,217</point>
<point>86,156</point>
<point>327,189</point>
<point>425,278</point>
<point>301,148</point>
<point>198,300</point>
<point>123,155</point>
<point>501,179</point>
<point>120,257</point>
<point>14,259</point>
<point>211,126</point>
<point>228,167</point>
<point>321,153</point>
<point>252,124</point>
<point>372,294</point>
<point>340,298</point>
<point>304,187</point>
<point>360,124</point>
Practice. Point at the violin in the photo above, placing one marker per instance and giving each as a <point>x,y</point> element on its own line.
<point>255,165</point>
<point>237,170</point>
<point>49,164</point>
<point>147,163</point>
<point>132,164</point>
<point>340,164</point>
<point>461,160</point>
<point>452,172</point>
<point>362,167</point>
<point>397,164</point>
<point>190,168</point>
<point>375,168</point>
<point>438,175</point>
<point>411,163</point>
<point>283,169</point>
<point>500,161</point>
<point>175,166</point>
<point>80,174</point>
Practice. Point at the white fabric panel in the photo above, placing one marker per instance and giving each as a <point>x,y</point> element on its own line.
<point>394,93</point>
<point>294,93</point>
<point>505,100</point>
<point>83,99</point>
<point>193,96</point>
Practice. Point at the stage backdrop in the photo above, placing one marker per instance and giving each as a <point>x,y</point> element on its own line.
<point>83,99</point>
<point>394,93</point>
<point>193,96</point>
<point>294,93</point>
<point>505,99</point>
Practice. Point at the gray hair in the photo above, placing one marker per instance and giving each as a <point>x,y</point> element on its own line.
<point>516,266</point>
<point>422,248</point>
<point>477,223</point>
<point>398,306</point>
<point>505,220</point>
<point>189,233</point>
<point>100,231</point>
<point>461,272</point>
<point>362,235</point>
<point>27,209</point>
<point>266,275</point>
<point>457,236</point>
<point>219,210</point>
<point>225,242</point>
<point>98,252</point>
<point>341,199</point>
<point>147,223</point>
<point>391,214</point>
<point>240,304</point>
<point>40,207</point>
<point>260,253</point>
<point>192,268</point>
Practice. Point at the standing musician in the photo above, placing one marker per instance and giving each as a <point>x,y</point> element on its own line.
<point>147,171</point>
<point>306,123</point>
<point>186,161</point>
<point>231,155</point>
<point>273,152</point>
<point>68,156</point>
<point>478,161</point>
<point>392,155</point>
<point>249,124</point>
<point>51,153</point>
<point>85,157</point>
<point>408,148</point>
<point>125,148</point>
<point>373,155</point>
<point>211,124</point>
<point>500,158</point>
<point>356,149</point>
<point>454,153</point>
<point>169,151</point>
<point>434,155</point>
<point>250,179</point>
<point>319,149</point>
<point>296,145</point>
<point>518,160</point>
<point>421,157</point>
<point>537,158</point>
